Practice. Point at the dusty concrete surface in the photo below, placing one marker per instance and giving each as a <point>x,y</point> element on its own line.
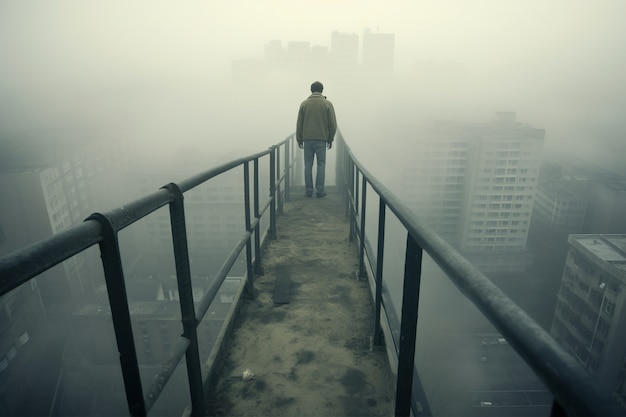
<point>311,356</point>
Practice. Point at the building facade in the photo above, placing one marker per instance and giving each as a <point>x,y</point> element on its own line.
<point>434,180</point>
<point>558,212</point>
<point>475,184</point>
<point>590,314</point>
<point>51,180</point>
<point>344,50</point>
<point>378,53</point>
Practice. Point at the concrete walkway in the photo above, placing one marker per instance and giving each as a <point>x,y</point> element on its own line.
<point>308,348</point>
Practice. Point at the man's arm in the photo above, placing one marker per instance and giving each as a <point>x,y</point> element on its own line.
<point>299,126</point>
<point>332,123</point>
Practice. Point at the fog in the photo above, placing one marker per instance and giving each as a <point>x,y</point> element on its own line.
<point>159,76</point>
<point>163,69</point>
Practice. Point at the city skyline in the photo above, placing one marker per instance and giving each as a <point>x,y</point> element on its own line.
<point>499,125</point>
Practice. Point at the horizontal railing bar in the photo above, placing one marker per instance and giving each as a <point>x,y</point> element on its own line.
<point>168,367</point>
<point>268,203</point>
<point>202,177</point>
<point>213,289</point>
<point>253,222</point>
<point>284,141</point>
<point>568,381</point>
<point>134,211</point>
<point>19,267</point>
<point>280,180</point>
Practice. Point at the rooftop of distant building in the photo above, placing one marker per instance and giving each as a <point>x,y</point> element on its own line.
<point>609,248</point>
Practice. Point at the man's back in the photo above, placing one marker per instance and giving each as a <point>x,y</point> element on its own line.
<point>316,119</point>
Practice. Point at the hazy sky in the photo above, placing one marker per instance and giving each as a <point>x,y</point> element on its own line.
<point>560,64</point>
<point>123,36</point>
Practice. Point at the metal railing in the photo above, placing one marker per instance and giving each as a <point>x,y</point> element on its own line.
<point>574,391</point>
<point>21,266</point>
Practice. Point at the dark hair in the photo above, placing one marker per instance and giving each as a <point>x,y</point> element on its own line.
<point>317,87</point>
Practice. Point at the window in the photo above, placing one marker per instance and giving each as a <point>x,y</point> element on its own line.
<point>609,308</point>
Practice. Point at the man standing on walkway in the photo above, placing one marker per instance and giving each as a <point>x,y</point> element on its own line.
<point>315,133</point>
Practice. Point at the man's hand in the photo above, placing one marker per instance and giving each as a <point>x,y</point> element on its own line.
<point>300,145</point>
<point>329,145</point>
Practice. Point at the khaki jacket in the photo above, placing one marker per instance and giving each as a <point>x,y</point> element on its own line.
<point>316,119</point>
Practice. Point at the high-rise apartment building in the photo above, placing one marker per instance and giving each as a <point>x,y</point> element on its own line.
<point>557,212</point>
<point>590,314</point>
<point>558,208</point>
<point>22,328</point>
<point>345,62</point>
<point>504,167</point>
<point>50,182</point>
<point>378,53</point>
<point>433,178</point>
<point>475,183</point>
<point>50,188</point>
<point>344,50</point>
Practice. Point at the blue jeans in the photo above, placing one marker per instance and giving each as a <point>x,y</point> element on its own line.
<point>317,149</point>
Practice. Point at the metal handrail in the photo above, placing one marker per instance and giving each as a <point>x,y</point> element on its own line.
<point>575,393</point>
<point>20,266</point>
<point>573,390</point>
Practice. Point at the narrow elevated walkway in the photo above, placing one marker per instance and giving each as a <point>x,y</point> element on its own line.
<point>306,335</point>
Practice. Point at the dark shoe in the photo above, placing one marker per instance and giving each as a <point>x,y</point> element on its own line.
<point>308,195</point>
<point>322,194</point>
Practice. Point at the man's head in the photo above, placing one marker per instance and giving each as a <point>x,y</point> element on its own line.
<point>317,87</point>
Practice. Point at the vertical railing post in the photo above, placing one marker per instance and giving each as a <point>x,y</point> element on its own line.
<point>339,162</point>
<point>185,291</point>
<point>354,185</point>
<point>273,192</point>
<point>120,314</point>
<point>351,201</point>
<point>298,166</point>
<point>288,160</point>
<point>344,166</point>
<point>279,174</point>
<point>362,231</point>
<point>378,340</point>
<point>257,229</point>
<point>356,188</point>
<point>249,286</point>
<point>408,326</point>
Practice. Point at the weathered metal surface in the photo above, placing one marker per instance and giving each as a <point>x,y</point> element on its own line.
<point>19,267</point>
<point>120,313</point>
<point>185,289</point>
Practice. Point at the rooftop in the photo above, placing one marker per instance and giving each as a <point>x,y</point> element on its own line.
<point>609,248</point>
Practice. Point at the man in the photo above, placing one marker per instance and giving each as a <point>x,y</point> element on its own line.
<point>315,132</point>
